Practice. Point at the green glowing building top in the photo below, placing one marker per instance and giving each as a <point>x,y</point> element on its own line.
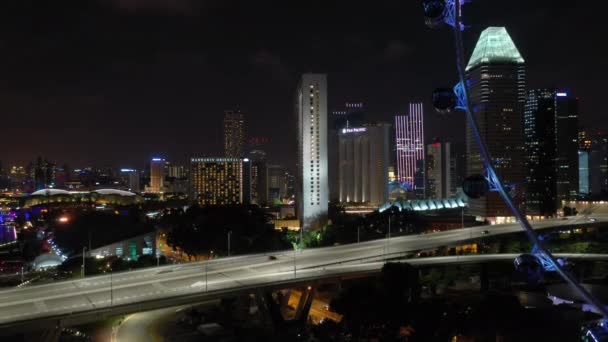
<point>494,46</point>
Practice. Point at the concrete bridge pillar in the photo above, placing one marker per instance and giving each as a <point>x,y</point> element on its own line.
<point>484,281</point>
<point>284,302</point>
<point>303,308</point>
<point>265,306</point>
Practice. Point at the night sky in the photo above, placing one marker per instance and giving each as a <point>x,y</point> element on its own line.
<point>115,82</point>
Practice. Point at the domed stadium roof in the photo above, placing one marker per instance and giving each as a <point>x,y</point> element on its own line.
<point>47,260</point>
<point>113,192</point>
<point>50,192</point>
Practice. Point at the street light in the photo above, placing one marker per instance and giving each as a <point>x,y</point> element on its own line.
<point>295,246</point>
<point>229,234</point>
<point>388,240</point>
<point>158,252</point>
<point>111,290</point>
<point>82,267</point>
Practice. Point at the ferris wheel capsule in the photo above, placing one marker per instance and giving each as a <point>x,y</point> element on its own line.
<point>444,100</point>
<point>475,186</point>
<point>528,266</point>
<point>433,13</point>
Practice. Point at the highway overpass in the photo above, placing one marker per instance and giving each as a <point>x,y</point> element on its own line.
<point>70,302</point>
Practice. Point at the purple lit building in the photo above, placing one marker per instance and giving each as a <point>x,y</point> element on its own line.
<point>409,135</point>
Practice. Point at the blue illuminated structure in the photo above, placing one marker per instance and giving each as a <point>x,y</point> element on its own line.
<point>452,16</point>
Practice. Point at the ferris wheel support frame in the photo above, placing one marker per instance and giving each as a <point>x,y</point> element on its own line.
<point>453,17</point>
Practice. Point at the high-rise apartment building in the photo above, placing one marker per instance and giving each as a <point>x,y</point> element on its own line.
<point>552,142</point>
<point>234,133</point>
<point>409,136</point>
<point>439,170</point>
<point>497,77</point>
<point>311,178</point>
<point>220,181</point>
<point>157,175</point>
<point>363,164</point>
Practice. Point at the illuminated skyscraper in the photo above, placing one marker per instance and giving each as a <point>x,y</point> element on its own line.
<point>311,178</point>
<point>583,173</point>
<point>350,114</point>
<point>566,146</point>
<point>409,135</point>
<point>157,175</point>
<point>497,77</point>
<point>234,133</point>
<point>220,181</point>
<point>363,164</point>
<point>552,141</point>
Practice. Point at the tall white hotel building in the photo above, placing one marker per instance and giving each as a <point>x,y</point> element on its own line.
<point>409,134</point>
<point>312,188</point>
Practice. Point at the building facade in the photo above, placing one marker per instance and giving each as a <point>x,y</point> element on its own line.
<point>234,133</point>
<point>598,165</point>
<point>439,170</point>
<point>566,144</point>
<point>350,114</point>
<point>312,186</point>
<point>583,173</point>
<point>409,142</point>
<point>176,171</point>
<point>539,132</point>
<point>277,183</point>
<point>220,181</point>
<point>496,72</point>
<point>363,164</point>
<point>157,175</point>
<point>130,179</point>
<point>552,143</point>
<point>259,178</point>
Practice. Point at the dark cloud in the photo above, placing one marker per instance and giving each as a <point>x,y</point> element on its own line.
<point>179,6</point>
<point>396,50</point>
<point>265,59</point>
<point>133,78</point>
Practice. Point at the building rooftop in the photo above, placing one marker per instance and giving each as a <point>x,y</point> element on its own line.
<point>114,192</point>
<point>50,192</point>
<point>494,46</point>
<point>53,192</point>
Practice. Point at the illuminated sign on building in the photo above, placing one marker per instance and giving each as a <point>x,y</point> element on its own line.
<point>562,94</point>
<point>353,130</point>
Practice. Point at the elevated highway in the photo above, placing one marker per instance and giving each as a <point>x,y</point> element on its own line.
<point>69,302</point>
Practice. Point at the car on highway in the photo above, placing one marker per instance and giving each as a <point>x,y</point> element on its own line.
<point>272,257</point>
<point>592,219</point>
<point>484,232</point>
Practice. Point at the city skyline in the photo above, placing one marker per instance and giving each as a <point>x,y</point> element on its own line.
<point>150,114</point>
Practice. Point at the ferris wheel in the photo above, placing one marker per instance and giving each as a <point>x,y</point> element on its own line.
<point>449,12</point>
